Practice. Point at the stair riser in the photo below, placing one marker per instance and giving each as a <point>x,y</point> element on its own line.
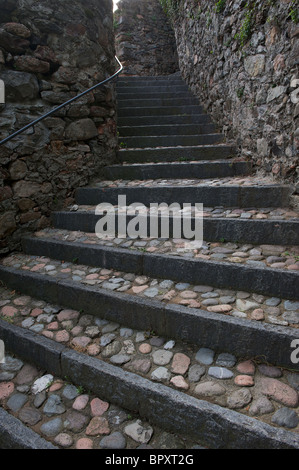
<point>251,339</point>
<point>238,231</point>
<point>172,140</point>
<point>144,83</point>
<point>159,102</point>
<point>227,196</point>
<point>147,90</point>
<point>156,402</point>
<point>272,282</point>
<point>188,129</point>
<point>176,154</point>
<point>153,110</point>
<point>15,435</point>
<point>182,95</point>
<point>207,170</point>
<point>164,120</point>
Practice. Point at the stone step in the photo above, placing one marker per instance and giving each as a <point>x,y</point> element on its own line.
<point>152,109</point>
<point>64,415</point>
<point>205,169</point>
<point>169,140</point>
<point>153,95</point>
<point>164,120</point>
<point>224,193</point>
<point>173,76</point>
<point>16,435</point>
<point>217,227</point>
<point>208,415</point>
<point>166,130</point>
<point>138,389</point>
<point>146,85</point>
<point>221,269</point>
<point>151,89</point>
<point>172,154</point>
<point>146,307</point>
<point>163,103</point>
<point>149,81</point>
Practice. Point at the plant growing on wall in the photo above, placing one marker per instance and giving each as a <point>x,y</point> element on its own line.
<point>293,13</point>
<point>170,6</point>
<point>247,25</point>
<point>220,6</point>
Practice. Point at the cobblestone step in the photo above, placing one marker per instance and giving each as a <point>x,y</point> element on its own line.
<point>205,169</point>
<point>149,81</point>
<point>147,85</point>
<point>177,310</point>
<point>172,140</point>
<point>164,120</point>
<point>219,270</point>
<point>172,154</point>
<point>220,400</point>
<point>131,89</point>
<point>162,130</point>
<point>227,194</point>
<point>154,94</point>
<point>161,103</point>
<point>44,411</point>
<point>257,226</point>
<point>284,257</point>
<point>152,108</point>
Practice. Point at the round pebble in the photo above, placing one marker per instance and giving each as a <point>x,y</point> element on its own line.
<point>116,440</point>
<point>145,348</point>
<point>286,418</point>
<point>64,440</point>
<point>84,443</point>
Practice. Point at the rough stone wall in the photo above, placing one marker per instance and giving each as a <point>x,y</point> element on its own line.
<point>145,41</point>
<point>50,52</point>
<point>241,59</point>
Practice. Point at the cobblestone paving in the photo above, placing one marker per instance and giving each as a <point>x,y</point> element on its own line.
<point>246,385</point>
<point>212,212</point>
<point>180,162</point>
<point>72,418</point>
<point>228,181</point>
<point>272,256</point>
<point>239,304</point>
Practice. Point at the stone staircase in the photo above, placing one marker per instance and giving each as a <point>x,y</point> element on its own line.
<point>191,345</point>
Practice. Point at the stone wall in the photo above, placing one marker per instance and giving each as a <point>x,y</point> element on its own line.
<point>241,59</point>
<point>50,52</point>
<point>145,41</point>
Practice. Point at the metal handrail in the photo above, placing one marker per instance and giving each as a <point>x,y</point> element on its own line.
<point>33,123</point>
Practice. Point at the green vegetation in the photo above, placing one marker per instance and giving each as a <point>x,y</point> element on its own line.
<point>80,390</point>
<point>209,18</point>
<point>170,6</point>
<point>220,6</point>
<point>115,23</point>
<point>294,13</point>
<point>240,92</point>
<point>246,28</point>
<point>89,13</point>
